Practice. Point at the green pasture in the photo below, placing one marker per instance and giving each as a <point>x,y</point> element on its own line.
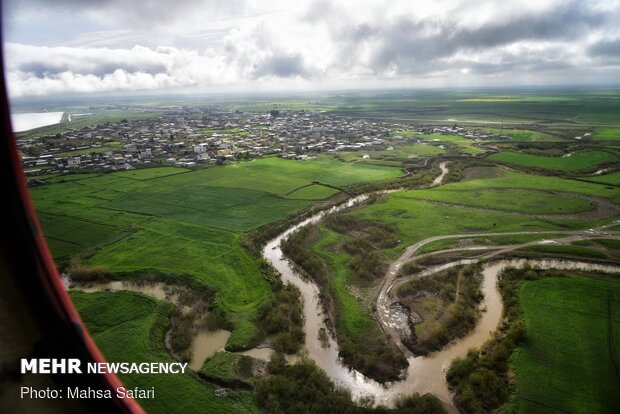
<point>523,201</point>
<point>354,320</point>
<point>85,151</point>
<point>606,134</point>
<point>522,135</point>
<point>575,162</point>
<point>501,178</point>
<point>313,192</point>
<point>569,361</point>
<point>188,222</point>
<point>148,173</point>
<point>279,176</point>
<point>464,145</point>
<point>613,178</point>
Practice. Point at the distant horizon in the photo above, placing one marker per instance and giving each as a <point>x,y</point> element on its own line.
<point>231,95</point>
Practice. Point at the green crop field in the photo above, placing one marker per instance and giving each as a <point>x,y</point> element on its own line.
<point>613,178</point>
<point>568,363</point>
<point>313,192</point>
<point>501,178</point>
<point>148,173</point>
<point>606,134</point>
<point>188,222</point>
<point>279,176</point>
<point>525,201</point>
<point>576,162</point>
<point>129,327</point>
<point>522,135</point>
<point>416,219</point>
<point>85,151</point>
<point>463,144</point>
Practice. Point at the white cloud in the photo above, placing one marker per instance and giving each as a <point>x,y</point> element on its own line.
<point>321,44</point>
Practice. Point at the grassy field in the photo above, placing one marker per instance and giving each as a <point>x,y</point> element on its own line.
<point>104,148</point>
<point>486,178</point>
<point>606,134</point>
<point>279,176</point>
<point>130,328</point>
<point>313,192</point>
<point>522,135</point>
<point>188,222</point>
<point>462,144</point>
<point>354,320</point>
<point>576,162</point>
<point>526,201</point>
<point>567,364</point>
<point>525,105</point>
<point>417,219</point>
<point>560,250</point>
<point>613,178</point>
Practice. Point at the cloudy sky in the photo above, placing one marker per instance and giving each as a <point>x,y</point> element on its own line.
<point>116,46</point>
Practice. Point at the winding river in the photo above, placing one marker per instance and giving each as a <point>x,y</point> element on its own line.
<point>425,374</point>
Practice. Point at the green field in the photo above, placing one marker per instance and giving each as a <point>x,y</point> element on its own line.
<point>279,176</point>
<point>313,192</point>
<point>416,219</point>
<point>613,178</point>
<point>522,135</point>
<point>606,134</point>
<point>104,148</point>
<point>569,362</point>
<point>397,155</point>
<point>525,201</point>
<point>576,162</point>
<point>464,145</point>
<point>353,320</point>
<point>188,222</point>
<point>129,327</point>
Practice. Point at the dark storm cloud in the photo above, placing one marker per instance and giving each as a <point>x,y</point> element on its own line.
<point>282,66</point>
<point>42,69</point>
<point>606,48</point>
<point>409,45</point>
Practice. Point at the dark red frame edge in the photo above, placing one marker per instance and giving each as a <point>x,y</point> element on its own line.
<point>48,275</point>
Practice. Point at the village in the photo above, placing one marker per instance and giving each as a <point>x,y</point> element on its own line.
<point>191,137</point>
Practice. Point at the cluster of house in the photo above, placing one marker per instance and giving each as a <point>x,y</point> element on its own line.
<point>191,136</point>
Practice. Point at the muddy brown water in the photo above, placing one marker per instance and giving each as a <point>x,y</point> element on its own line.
<point>205,344</point>
<point>153,290</point>
<point>425,374</point>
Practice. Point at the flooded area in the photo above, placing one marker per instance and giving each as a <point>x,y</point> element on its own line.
<point>157,291</point>
<point>28,121</point>
<point>425,374</point>
<point>439,179</point>
<point>205,344</point>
